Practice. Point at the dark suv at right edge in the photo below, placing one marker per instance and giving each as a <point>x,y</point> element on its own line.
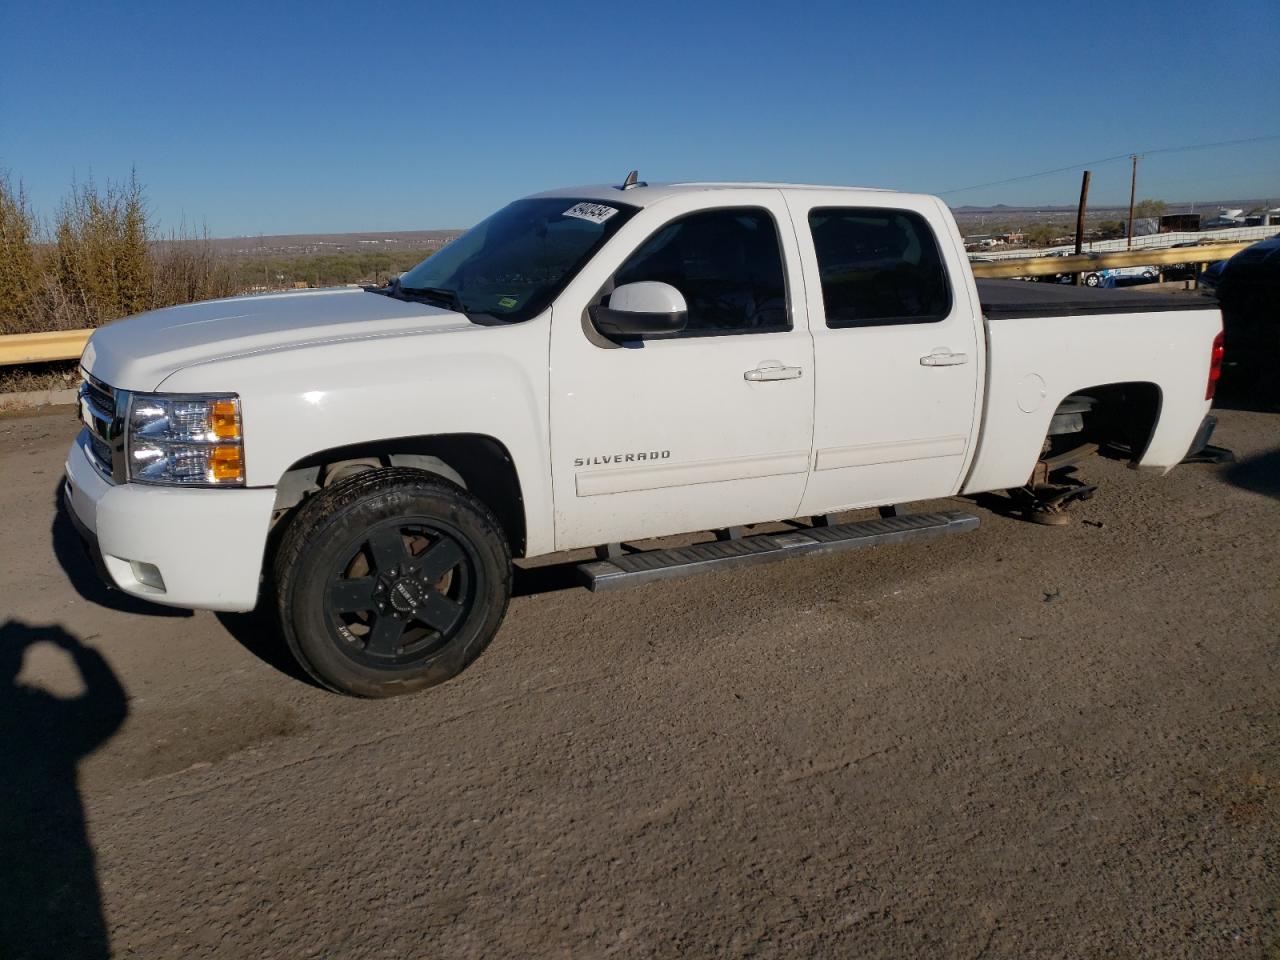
<point>1248,288</point>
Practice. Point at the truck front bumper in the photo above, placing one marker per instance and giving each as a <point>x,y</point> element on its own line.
<point>198,549</point>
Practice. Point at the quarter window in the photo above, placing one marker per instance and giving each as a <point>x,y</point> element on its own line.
<point>726,263</point>
<point>878,267</point>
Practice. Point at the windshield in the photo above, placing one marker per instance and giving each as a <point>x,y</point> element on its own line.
<point>512,265</point>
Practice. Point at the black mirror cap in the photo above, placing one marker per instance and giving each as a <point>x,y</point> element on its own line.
<point>627,325</point>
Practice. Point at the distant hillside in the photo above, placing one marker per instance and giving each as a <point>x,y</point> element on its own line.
<point>315,244</point>
<point>302,245</point>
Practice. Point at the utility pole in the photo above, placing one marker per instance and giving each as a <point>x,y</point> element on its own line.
<point>1133,192</point>
<point>1084,199</point>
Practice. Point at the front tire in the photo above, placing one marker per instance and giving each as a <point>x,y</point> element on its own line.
<point>1092,280</point>
<point>390,582</point>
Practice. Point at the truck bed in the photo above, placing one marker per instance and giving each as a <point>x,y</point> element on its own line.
<point>1002,299</point>
<point>1095,338</point>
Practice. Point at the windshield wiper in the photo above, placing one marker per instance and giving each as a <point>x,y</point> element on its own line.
<point>448,298</point>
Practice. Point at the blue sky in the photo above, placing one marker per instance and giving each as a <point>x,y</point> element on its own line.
<point>284,117</point>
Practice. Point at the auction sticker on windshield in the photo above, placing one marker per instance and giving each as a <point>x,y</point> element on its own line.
<point>594,212</point>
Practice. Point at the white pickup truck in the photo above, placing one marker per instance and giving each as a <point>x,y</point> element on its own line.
<point>594,367</point>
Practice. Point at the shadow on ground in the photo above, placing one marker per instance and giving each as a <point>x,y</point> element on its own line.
<point>70,552</point>
<point>546,578</point>
<point>259,633</point>
<point>1260,474</point>
<point>50,905</point>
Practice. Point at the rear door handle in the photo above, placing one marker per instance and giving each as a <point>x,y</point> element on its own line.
<point>942,357</point>
<point>772,370</point>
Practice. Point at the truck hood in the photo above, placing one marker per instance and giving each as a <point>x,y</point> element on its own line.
<point>139,352</point>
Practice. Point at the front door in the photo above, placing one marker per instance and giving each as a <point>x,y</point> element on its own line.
<point>675,434</point>
<point>896,342</point>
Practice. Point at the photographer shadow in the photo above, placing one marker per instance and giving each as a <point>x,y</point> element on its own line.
<point>50,905</point>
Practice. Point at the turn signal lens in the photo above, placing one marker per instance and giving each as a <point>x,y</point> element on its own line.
<point>226,464</point>
<point>185,439</point>
<point>224,419</point>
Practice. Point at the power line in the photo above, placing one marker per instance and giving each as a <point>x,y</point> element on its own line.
<point>1119,156</point>
<point>1165,181</point>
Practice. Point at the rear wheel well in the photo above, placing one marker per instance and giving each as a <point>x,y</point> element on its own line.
<point>1122,417</point>
<point>477,463</point>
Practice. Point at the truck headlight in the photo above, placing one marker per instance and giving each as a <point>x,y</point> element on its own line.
<point>185,439</point>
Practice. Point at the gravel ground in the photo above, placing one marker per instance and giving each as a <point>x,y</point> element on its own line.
<point>1021,742</point>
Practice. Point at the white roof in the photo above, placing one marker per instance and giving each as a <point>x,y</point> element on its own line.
<point>643,196</point>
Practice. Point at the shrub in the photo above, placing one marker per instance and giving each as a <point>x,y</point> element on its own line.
<point>102,260</point>
<point>99,262</point>
<point>20,275</point>
<point>102,265</point>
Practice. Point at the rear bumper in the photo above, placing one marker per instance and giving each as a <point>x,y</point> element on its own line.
<point>208,545</point>
<point>1201,440</point>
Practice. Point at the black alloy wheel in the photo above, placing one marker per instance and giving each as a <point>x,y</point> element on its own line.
<point>401,593</point>
<point>390,581</point>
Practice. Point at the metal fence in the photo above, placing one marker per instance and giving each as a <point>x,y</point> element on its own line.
<point>1154,241</point>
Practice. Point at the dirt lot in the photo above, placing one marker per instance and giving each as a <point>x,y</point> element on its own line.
<point>1022,742</point>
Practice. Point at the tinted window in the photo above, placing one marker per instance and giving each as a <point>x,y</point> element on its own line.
<point>878,267</point>
<point>512,265</point>
<point>727,265</point>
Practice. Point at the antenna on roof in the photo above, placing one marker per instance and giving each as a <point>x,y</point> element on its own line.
<point>631,181</point>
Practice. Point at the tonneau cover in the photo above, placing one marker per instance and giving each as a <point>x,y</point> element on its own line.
<point>1004,299</point>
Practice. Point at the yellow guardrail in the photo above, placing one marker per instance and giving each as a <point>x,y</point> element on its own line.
<point>69,344</point>
<point>42,347</point>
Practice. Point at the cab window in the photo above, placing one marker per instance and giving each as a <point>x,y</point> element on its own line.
<point>878,267</point>
<point>726,263</point>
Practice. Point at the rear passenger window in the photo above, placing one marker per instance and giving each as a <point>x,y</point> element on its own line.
<point>726,263</point>
<point>878,267</point>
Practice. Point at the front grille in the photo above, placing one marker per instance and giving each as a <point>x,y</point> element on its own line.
<point>100,412</point>
<point>99,392</point>
<point>101,453</point>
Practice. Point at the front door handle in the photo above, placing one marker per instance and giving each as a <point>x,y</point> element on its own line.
<point>772,370</point>
<point>942,357</point>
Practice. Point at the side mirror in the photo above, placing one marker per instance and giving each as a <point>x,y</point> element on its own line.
<point>641,309</point>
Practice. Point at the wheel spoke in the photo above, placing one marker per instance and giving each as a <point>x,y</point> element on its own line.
<point>440,558</point>
<point>384,638</point>
<point>439,612</point>
<point>350,596</point>
<point>388,549</point>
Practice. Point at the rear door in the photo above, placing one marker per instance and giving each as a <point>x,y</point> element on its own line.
<point>709,428</point>
<point>897,349</point>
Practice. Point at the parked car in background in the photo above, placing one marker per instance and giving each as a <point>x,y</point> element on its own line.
<point>1058,277</point>
<point>1144,274</point>
<point>1182,271</point>
<point>1210,276</point>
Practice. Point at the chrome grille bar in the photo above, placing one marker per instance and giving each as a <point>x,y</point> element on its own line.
<point>101,414</point>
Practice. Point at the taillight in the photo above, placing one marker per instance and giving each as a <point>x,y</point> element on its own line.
<point>1215,366</point>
